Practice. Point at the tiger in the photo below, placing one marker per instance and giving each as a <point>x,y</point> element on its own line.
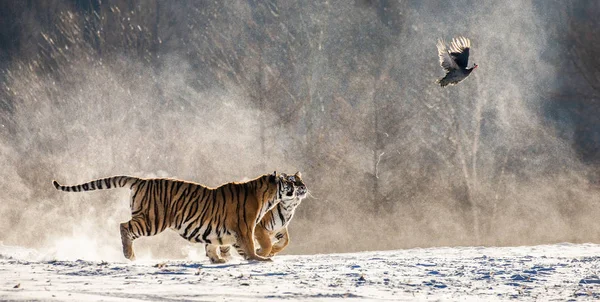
<point>272,230</point>
<point>224,215</point>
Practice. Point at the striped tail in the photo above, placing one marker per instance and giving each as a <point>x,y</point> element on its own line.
<point>99,184</point>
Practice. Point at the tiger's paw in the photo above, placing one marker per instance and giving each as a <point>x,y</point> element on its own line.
<point>218,261</point>
<point>128,251</point>
<point>130,256</point>
<point>259,258</point>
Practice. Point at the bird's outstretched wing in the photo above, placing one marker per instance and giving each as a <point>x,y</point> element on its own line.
<point>446,61</point>
<point>459,51</point>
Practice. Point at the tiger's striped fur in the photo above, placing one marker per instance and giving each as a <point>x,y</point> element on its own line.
<point>224,215</point>
<point>272,231</point>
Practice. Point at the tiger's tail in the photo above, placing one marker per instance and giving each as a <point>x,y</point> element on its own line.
<point>99,184</point>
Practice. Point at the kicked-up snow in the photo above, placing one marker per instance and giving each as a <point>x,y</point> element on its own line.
<point>556,272</point>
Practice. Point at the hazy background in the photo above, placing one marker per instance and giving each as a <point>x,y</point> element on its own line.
<point>343,91</point>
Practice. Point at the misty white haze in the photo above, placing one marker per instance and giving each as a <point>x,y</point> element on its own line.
<point>343,91</point>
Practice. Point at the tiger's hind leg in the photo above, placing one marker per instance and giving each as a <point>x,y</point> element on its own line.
<point>132,229</point>
<point>127,241</point>
<point>239,250</point>
<point>212,252</point>
<point>225,252</point>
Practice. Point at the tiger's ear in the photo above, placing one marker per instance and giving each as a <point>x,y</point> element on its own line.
<point>272,177</point>
<point>298,174</point>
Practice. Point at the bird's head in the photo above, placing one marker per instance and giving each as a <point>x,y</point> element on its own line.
<point>474,66</point>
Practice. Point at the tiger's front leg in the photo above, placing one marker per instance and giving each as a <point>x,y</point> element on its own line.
<point>283,240</point>
<point>246,241</point>
<point>282,243</point>
<point>264,239</point>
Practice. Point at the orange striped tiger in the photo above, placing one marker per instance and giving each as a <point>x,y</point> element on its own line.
<point>224,215</point>
<point>272,231</point>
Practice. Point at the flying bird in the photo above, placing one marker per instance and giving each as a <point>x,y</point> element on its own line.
<point>454,61</point>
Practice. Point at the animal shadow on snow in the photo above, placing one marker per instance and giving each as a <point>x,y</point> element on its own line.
<point>183,268</point>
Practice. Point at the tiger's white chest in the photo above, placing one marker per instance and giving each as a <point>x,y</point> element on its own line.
<point>283,214</point>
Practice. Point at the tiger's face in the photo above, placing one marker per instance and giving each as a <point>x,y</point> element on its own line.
<point>299,186</point>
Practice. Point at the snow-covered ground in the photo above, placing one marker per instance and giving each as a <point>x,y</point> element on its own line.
<point>550,272</point>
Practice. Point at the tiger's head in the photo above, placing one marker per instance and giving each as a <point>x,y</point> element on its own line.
<point>300,190</point>
<point>281,185</point>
